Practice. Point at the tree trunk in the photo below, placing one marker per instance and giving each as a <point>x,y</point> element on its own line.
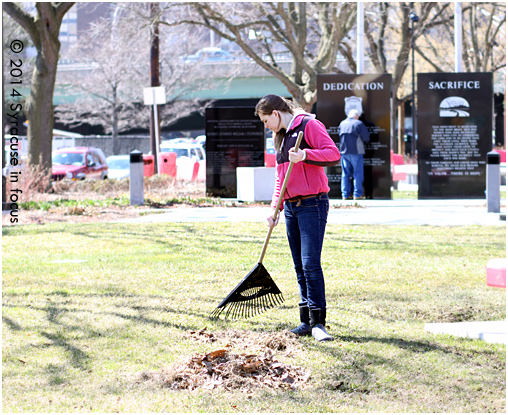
<point>43,30</point>
<point>40,113</point>
<point>115,137</point>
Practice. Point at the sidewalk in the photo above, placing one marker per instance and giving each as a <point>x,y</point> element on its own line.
<point>361,212</point>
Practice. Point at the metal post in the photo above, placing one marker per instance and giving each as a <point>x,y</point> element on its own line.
<point>458,36</point>
<point>493,191</point>
<point>414,18</point>
<point>360,24</point>
<point>136,178</point>
<point>413,109</point>
<point>154,80</point>
<point>157,134</point>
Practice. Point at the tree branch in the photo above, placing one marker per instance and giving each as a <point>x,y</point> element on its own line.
<point>62,8</point>
<point>25,20</point>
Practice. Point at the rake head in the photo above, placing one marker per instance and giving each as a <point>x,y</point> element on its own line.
<point>256,293</point>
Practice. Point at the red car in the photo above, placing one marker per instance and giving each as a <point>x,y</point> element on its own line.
<point>79,163</point>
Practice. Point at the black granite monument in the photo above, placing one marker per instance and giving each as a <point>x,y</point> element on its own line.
<point>455,121</point>
<point>370,94</point>
<point>235,137</point>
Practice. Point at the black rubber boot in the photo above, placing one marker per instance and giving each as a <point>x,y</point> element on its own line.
<point>317,324</point>
<point>304,328</point>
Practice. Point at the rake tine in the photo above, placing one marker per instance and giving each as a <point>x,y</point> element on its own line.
<point>235,310</point>
<point>228,311</point>
<point>277,300</point>
<point>266,302</point>
<point>263,303</point>
<point>273,302</point>
<point>248,308</point>
<point>270,301</point>
<point>215,313</point>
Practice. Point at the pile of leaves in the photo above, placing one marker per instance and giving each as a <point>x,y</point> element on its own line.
<point>228,369</point>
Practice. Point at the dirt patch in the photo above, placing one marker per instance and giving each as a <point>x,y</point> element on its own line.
<point>241,360</point>
<point>75,214</point>
<point>156,188</point>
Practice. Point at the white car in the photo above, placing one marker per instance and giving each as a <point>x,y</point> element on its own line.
<point>201,139</point>
<point>119,167</point>
<point>183,149</point>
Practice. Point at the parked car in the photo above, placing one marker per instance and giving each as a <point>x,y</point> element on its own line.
<point>270,156</point>
<point>183,149</point>
<point>270,148</point>
<point>201,139</point>
<point>79,163</point>
<point>209,55</point>
<point>119,167</point>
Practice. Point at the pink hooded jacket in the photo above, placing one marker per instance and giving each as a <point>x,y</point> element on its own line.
<point>306,178</point>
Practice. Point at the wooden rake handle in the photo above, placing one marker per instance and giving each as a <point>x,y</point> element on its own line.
<point>279,202</point>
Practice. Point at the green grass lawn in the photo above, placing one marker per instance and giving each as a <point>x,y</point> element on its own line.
<point>87,308</point>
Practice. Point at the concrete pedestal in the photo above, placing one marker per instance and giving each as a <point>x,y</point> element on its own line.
<point>255,184</point>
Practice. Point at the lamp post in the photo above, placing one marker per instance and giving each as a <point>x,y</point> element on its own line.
<point>414,18</point>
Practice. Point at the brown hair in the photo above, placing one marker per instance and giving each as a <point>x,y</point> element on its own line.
<point>267,105</point>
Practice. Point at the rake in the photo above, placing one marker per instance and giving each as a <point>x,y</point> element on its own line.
<point>257,292</point>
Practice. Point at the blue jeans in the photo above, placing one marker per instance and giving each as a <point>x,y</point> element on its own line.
<point>305,227</point>
<point>352,167</point>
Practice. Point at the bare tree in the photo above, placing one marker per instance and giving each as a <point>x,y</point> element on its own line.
<point>108,86</point>
<point>43,29</point>
<point>484,44</point>
<point>388,34</point>
<point>312,34</point>
<point>483,39</point>
<point>116,52</point>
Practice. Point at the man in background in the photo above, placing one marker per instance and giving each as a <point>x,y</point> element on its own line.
<point>353,135</point>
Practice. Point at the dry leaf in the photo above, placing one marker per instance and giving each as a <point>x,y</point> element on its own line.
<point>227,370</point>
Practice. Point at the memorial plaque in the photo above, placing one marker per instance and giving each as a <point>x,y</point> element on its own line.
<point>370,94</point>
<point>235,137</point>
<point>455,113</point>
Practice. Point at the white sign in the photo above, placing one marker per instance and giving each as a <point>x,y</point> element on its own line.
<point>154,96</point>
